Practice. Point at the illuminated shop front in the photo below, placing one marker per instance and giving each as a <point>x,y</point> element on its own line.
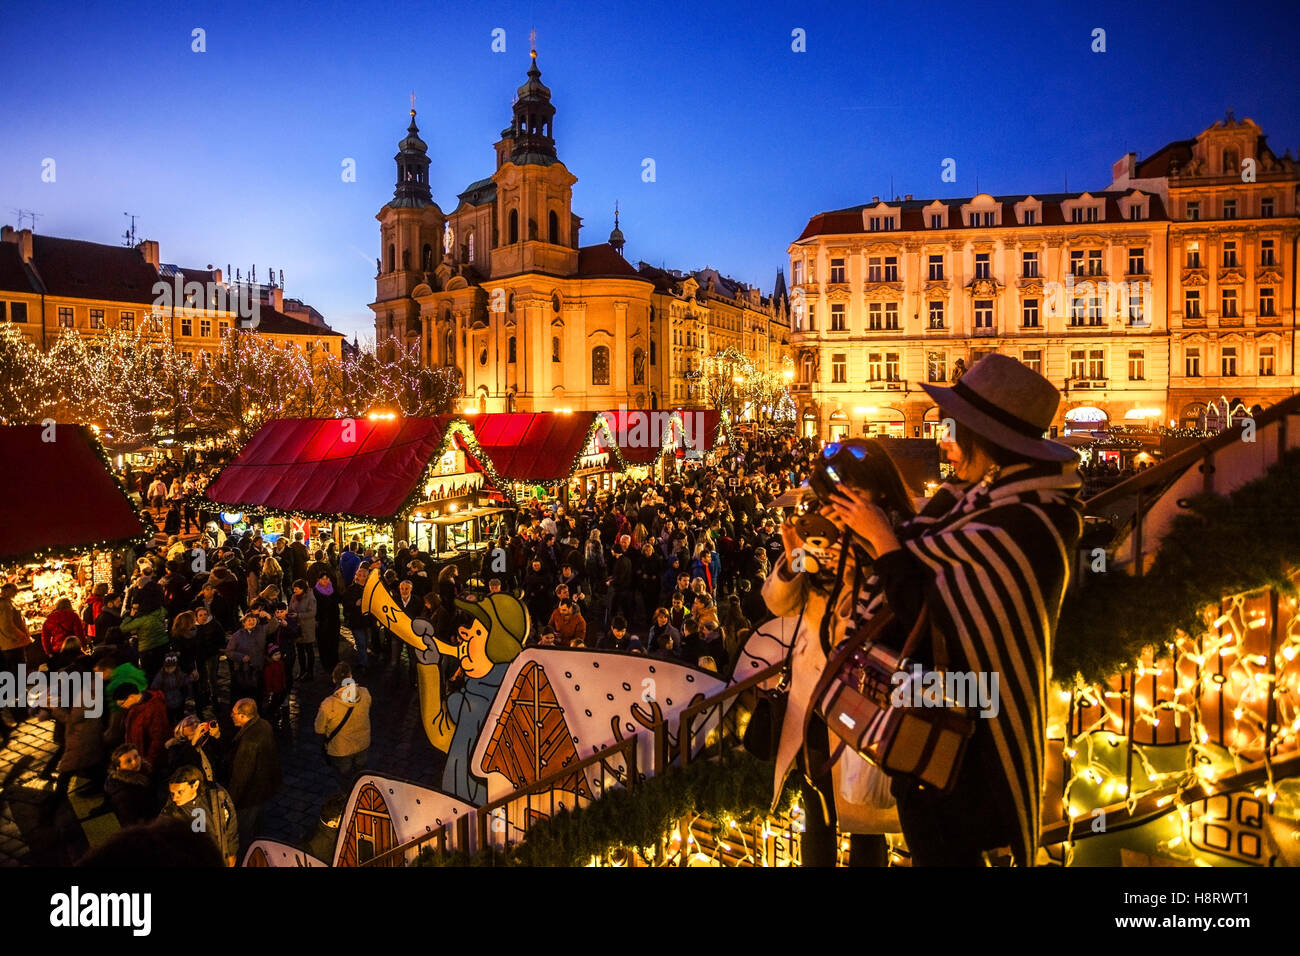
<point>379,480</point>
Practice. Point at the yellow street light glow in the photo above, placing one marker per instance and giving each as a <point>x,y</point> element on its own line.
<point>865,410</point>
<point>1133,413</point>
<point>469,410</point>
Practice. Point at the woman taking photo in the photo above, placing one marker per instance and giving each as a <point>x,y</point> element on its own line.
<point>989,558</point>
<point>812,582</point>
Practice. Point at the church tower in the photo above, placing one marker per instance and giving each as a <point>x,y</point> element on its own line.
<point>411,226</point>
<point>536,228</point>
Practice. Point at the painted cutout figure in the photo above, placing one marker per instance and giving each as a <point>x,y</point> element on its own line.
<point>453,721</point>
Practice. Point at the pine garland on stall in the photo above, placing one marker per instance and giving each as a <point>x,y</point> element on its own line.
<point>1224,544</point>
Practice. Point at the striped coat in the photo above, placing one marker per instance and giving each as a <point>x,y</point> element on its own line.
<point>999,554</point>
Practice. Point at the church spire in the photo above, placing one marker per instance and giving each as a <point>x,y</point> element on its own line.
<point>412,168</point>
<point>534,117</point>
<point>616,237</point>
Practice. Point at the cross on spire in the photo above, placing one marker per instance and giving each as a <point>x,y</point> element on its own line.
<point>412,104</point>
<point>532,43</point>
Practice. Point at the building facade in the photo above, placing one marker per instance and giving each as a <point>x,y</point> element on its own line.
<point>501,289</point>
<point>49,285</point>
<point>1090,289</point>
<point>699,314</point>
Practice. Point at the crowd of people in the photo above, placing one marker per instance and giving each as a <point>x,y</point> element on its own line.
<point>681,569</point>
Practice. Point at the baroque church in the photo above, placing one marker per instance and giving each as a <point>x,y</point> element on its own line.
<point>500,287</point>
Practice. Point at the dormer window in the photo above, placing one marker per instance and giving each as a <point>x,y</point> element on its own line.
<point>982,211</point>
<point>1193,211</point>
<point>882,223</point>
<point>1028,211</point>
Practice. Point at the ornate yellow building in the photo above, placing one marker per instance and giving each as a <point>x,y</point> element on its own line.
<point>501,289</point>
<point>1091,289</point>
<point>1231,253</point>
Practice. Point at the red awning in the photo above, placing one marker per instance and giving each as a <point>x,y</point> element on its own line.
<point>60,497</point>
<point>533,446</point>
<point>639,434</point>
<point>702,427</point>
<point>364,468</point>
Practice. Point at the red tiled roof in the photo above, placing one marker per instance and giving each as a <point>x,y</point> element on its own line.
<point>59,495</point>
<point>274,322</point>
<point>533,446</point>
<point>89,270</point>
<point>602,260</point>
<point>913,214</point>
<point>13,276</point>
<point>1158,163</point>
<point>323,466</point>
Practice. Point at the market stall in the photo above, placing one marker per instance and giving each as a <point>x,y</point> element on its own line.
<point>65,519</point>
<point>697,433</point>
<point>380,479</point>
<point>643,439</point>
<point>550,456</point>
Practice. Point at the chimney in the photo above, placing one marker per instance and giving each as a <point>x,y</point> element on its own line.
<point>148,248</point>
<point>907,198</point>
<point>1124,169</point>
<point>21,237</point>
<point>277,298</point>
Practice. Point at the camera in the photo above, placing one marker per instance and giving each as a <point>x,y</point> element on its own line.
<point>213,726</point>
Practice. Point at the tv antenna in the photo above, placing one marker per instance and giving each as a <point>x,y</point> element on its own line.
<point>129,235</point>
<point>26,214</point>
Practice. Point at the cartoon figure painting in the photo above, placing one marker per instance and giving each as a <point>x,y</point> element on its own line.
<point>454,720</point>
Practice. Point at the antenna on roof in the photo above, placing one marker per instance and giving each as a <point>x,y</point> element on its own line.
<point>129,235</point>
<point>26,214</point>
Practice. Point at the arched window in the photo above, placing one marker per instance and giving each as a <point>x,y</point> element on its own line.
<point>426,258</point>
<point>553,228</point>
<point>652,351</point>
<point>600,365</point>
<point>450,344</point>
<point>510,350</point>
<point>555,348</point>
<point>532,228</point>
<point>638,367</point>
<point>512,230</point>
<point>471,247</point>
<point>807,368</point>
<point>392,257</point>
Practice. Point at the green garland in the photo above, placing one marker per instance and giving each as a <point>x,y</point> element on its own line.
<point>1245,541</point>
<point>737,787</point>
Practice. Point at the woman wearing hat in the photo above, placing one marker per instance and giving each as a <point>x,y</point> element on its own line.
<point>989,557</point>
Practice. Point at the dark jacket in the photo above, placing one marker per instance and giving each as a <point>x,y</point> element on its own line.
<point>220,820</point>
<point>131,795</point>
<point>255,774</point>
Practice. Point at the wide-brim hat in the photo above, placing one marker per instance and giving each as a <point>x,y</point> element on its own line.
<point>1007,403</point>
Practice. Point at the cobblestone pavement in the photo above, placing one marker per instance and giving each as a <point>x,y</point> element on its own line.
<point>398,749</point>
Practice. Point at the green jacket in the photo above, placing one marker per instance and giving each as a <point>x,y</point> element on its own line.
<point>150,629</point>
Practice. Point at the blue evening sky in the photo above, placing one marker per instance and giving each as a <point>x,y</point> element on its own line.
<point>234,155</point>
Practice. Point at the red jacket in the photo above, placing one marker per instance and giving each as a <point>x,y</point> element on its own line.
<point>60,626</point>
<point>147,727</point>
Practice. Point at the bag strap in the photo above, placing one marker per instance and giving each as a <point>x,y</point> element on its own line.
<point>335,732</point>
